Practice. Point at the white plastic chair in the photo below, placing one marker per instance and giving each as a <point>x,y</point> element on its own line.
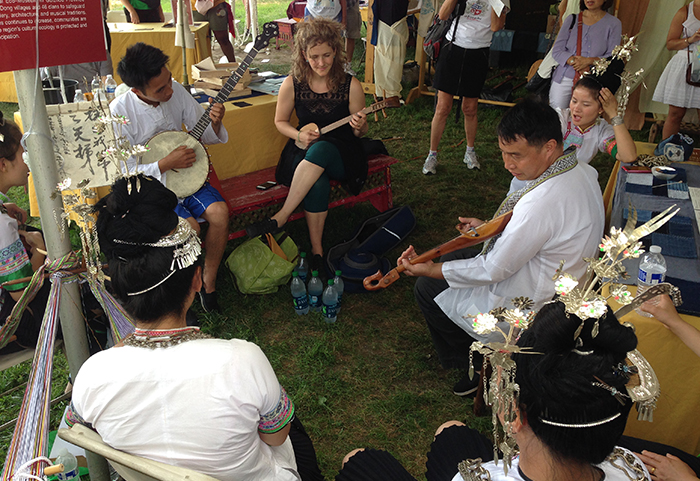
<point>130,467</point>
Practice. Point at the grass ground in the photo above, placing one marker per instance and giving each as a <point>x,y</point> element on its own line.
<point>372,379</point>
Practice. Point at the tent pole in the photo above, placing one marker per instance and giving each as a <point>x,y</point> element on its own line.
<point>181,27</point>
<point>42,163</point>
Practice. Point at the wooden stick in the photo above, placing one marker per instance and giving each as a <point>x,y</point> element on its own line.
<point>376,116</point>
<point>55,469</point>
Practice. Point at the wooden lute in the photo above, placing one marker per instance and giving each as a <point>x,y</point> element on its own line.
<point>185,182</point>
<point>388,103</point>
<point>474,236</point>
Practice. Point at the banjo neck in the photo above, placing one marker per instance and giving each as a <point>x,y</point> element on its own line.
<point>223,94</point>
<point>270,30</point>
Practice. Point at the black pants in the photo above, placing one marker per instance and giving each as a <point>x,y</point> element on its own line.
<point>304,452</point>
<point>451,341</point>
<point>452,446</point>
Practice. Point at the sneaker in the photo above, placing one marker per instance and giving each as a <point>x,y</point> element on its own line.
<point>466,386</point>
<point>430,164</point>
<point>470,160</point>
<point>209,301</point>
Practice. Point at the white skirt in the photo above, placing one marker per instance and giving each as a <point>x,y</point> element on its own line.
<point>672,88</point>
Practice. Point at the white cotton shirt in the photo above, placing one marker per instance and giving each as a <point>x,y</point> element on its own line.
<point>145,121</point>
<point>612,472</point>
<point>561,219</point>
<point>474,27</point>
<point>196,405</point>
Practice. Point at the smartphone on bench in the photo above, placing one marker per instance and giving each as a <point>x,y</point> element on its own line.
<point>636,169</point>
<point>266,185</point>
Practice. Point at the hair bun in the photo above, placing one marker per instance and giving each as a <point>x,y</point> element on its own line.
<point>555,332</point>
<point>139,210</point>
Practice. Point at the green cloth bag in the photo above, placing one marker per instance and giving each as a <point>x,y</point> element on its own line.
<point>257,270</point>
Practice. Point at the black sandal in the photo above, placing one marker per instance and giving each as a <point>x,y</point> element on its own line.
<point>267,226</point>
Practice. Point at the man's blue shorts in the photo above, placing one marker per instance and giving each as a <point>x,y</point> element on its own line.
<point>195,204</point>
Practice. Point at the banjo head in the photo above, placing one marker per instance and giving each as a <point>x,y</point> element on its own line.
<point>184,182</point>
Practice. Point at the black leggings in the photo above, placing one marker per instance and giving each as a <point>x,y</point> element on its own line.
<point>304,452</point>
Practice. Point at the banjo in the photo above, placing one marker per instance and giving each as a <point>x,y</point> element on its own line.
<point>389,103</point>
<point>185,182</point>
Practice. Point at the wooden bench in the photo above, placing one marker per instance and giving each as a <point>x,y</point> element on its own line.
<point>247,204</point>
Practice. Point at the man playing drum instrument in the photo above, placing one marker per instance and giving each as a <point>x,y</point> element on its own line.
<point>558,215</point>
<point>156,103</point>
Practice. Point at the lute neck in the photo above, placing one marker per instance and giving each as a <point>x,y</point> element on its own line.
<point>345,120</point>
<point>223,94</point>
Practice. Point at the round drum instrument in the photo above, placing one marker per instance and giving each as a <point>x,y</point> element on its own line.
<point>183,182</point>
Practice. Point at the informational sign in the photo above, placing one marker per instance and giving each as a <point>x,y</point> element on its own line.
<point>70,31</point>
<point>79,149</point>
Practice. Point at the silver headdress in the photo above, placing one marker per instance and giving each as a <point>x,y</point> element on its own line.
<point>585,300</point>
<point>187,250</point>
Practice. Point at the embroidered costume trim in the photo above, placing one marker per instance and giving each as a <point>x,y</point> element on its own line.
<point>279,417</point>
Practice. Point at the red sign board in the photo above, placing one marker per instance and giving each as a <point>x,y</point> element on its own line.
<point>70,31</point>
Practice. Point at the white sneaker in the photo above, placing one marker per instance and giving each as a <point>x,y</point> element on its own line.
<point>470,160</point>
<point>430,164</point>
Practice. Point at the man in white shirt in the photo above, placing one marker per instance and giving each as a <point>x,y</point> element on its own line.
<point>557,216</point>
<point>156,103</point>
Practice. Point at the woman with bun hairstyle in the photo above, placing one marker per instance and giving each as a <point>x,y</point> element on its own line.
<point>169,392</point>
<point>22,250</point>
<point>572,410</point>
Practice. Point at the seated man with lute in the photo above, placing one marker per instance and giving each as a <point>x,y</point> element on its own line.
<point>558,215</point>
<point>156,104</point>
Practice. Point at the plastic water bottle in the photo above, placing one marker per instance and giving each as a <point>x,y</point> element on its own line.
<point>110,87</point>
<point>315,292</point>
<point>303,267</point>
<point>96,88</point>
<point>339,288</point>
<point>330,303</point>
<point>652,271</point>
<point>301,300</point>
<point>70,466</point>
<point>78,97</point>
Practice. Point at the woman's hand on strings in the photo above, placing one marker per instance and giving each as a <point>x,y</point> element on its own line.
<point>308,136</point>
<point>359,124</point>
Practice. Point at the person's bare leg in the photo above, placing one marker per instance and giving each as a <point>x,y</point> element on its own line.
<point>194,224</point>
<point>225,44</point>
<point>673,122</point>
<point>305,176</point>
<point>469,108</point>
<point>315,221</point>
<point>442,111</point>
<point>214,242</point>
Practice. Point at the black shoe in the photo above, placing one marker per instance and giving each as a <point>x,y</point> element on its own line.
<point>209,301</point>
<point>317,264</point>
<point>466,386</point>
<point>267,226</point>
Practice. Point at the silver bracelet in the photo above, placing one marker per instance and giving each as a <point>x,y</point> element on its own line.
<point>617,120</point>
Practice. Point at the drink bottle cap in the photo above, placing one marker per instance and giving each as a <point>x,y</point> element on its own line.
<point>338,272</point>
<point>330,282</point>
<point>655,249</point>
<point>303,254</point>
<point>314,273</point>
<point>295,274</point>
